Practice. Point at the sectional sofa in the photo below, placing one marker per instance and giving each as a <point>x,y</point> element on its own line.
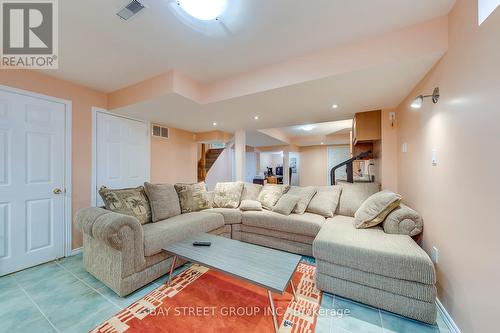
<point>386,269</point>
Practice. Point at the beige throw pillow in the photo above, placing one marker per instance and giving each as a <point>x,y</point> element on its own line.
<point>251,191</point>
<point>270,195</point>
<point>164,201</point>
<point>193,197</point>
<point>305,194</point>
<point>375,209</point>
<point>403,220</point>
<point>325,201</point>
<point>286,204</point>
<point>227,195</point>
<point>247,205</point>
<point>127,201</point>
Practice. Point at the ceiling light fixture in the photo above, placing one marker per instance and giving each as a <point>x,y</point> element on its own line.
<point>256,117</point>
<point>307,128</point>
<point>205,10</point>
<point>419,100</point>
<point>214,124</point>
<point>335,106</point>
<point>322,143</point>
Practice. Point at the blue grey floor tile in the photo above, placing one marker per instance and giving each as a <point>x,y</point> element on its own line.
<point>31,276</point>
<point>91,321</point>
<point>397,324</point>
<point>354,317</point>
<point>123,302</point>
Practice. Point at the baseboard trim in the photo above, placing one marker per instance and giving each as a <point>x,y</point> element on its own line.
<point>447,318</point>
<point>76,251</point>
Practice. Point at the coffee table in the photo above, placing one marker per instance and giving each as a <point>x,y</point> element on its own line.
<point>268,268</point>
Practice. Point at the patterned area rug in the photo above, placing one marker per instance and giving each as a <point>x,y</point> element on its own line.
<point>203,300</point>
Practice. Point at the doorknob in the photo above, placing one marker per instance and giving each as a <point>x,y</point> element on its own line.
<point>57,191</point>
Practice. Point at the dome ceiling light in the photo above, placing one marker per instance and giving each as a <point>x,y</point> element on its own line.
<point>204,10</point>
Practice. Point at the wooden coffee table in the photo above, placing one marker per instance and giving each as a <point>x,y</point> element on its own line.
<point>268,268</point>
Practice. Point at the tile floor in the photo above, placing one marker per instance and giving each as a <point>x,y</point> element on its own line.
<point>61,296</point>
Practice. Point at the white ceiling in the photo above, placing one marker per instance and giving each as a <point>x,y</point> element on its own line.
<point>327,128</point>
<point>258,139</point>
<point>383,86</point>
<point>99,50</point>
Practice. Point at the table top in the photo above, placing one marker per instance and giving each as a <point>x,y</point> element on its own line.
<point>268,268</point>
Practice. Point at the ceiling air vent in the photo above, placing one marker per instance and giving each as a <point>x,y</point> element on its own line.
<point>131,9</point>
<point>160,131</point>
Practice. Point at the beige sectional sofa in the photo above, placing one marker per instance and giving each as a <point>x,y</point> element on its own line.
<point>368,265</point>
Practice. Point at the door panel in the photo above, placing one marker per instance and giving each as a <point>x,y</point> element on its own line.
<point>32,147</point>
<point>122,152</point>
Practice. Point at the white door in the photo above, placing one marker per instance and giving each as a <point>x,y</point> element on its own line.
<point>122,152</point>
<point>32,166</point>
<point>337,155</point>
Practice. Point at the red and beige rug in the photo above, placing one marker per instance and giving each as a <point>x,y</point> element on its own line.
<point>203,300</point>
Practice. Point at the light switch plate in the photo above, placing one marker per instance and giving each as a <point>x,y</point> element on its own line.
<point>404,147</point>
<point>434,157</point>
<point>435,255</point>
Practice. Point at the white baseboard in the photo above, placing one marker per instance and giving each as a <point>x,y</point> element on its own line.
<point>76,251</point>
<point>447,318</point>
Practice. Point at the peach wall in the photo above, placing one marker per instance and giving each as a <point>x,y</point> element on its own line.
<point>175,159</point>
<point>83,99</point>
<point>313,166</point>
<point>459,197</point>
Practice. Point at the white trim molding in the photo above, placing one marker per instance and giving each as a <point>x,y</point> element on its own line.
<point>447,318</point>
<point>68,134</point>
<point>74,252</point>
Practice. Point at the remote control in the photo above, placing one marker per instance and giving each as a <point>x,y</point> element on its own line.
<point>202,243</point>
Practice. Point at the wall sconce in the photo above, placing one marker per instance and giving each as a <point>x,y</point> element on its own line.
<point>419,100</point>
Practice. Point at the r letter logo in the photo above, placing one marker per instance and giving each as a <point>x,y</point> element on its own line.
<point>29,34</point>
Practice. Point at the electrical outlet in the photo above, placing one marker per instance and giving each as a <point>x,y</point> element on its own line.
<point>404,147</point>
<point>435,255</point>
<point>434,157</point>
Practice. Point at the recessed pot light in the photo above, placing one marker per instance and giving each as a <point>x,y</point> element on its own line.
<point>214,124</point>
<point>256,117</point>
<point>335,106</point>
<point>307,128</point>
<point>322,143</point>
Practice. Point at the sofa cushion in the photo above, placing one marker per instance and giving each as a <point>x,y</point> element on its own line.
<point>325,201</point>
<point>251,191</point>
<point>405,221</point>
<point>270,195</point>
<point>303,224</point>
<point>372,250</point>
<point>305,194</point>
<point>227,195</point>
<point>286,204</point>
<point>177,228</point>
<point>127,201</point>
<point>250,205</point>
<point>231,215</point>
<point>164,201</point>
<point>193,197</point>
<point>375,209</point>
<point>353,195</point>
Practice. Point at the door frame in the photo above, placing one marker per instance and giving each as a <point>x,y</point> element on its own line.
<point>93,185</point>
<point>66,246</point>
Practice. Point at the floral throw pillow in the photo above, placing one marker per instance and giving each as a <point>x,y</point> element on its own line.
<point>193,197</point>
<point>127,201</point>
<point>228,195</point>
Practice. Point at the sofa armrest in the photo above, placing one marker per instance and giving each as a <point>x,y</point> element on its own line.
<point>113,229</point>
<point>405,221</point>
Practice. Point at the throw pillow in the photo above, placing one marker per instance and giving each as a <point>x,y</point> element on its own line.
<point>270,195</point>
<point>305,194</point>
<point>127,201</point>
<point>164,201</point>
<point>251,191</point>
<point>227,195</point>
<point>325,201</point>
<point>403,220</point>
<point>193,197</point>
<point>286,204</point>
<point>375,209</point>
<point>247,205</point>
<point>353,195</point>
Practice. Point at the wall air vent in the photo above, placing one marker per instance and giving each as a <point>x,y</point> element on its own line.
<point>160,131</point>
<point>130,10</point>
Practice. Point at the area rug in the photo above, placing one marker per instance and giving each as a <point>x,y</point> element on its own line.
<point>204,300</point>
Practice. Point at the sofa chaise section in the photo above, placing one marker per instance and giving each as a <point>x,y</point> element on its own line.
<point>383,270</point>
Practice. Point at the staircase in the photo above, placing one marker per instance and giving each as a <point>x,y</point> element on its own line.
<point>208,158</point>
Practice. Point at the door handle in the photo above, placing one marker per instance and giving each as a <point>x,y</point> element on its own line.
<point>57,191</point>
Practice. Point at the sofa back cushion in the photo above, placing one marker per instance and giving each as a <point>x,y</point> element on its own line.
<point>227,195</point>
<point>305,194</point>
<point>325,201</point>
<point>193,197</point>
<point>164,201</point>
<point>353,195</point>
<point>286,204</point>
<point>251,191</point>
<point>127,201</point>
<point>375,209</point>
<point>249,205</point>
<point>270,195</point>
